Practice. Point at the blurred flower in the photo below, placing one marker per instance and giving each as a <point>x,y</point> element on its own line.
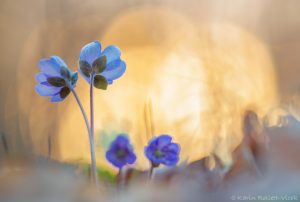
<point>104,66</point>
<point>161,150</point>
<point>120,152</point>
<point>55,79</point>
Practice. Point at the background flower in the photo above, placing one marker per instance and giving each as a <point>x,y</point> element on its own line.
<point>161,150</point>
<point>55,79</point>
<point>104,66</point>
<point>120,152</point>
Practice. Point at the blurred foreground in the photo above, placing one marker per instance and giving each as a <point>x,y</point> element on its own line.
<point>266,167</point>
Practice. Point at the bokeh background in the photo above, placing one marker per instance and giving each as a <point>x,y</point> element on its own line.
<point>193,68</point>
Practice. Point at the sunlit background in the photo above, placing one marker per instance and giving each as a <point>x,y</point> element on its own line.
<point>194,68</point>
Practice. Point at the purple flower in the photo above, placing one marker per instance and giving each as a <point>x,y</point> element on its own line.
<point>55,79</point>
<point>161,150</point>
<point>120,152</point>
<point>103,66</point>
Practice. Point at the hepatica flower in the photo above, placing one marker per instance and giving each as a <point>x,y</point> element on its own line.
<point>101,67</point>
<point>55,79</point>
<point>161,150</point>
<point>120,152</point>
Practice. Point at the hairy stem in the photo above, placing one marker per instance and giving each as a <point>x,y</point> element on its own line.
<point>91,141</point>
<point>92,145</point>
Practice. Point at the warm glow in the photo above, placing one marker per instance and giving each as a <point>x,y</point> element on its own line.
<point>193,81</point>
<point>194,84</point>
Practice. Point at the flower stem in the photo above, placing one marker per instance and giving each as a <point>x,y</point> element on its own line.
<point>92,145</point>
<point>151,172</point>
<point>89,133</point>
<point>120,178</point>
<point>82,110</point>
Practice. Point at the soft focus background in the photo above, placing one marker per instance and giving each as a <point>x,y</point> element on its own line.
<point>220,76</point>
<point>193,69</point>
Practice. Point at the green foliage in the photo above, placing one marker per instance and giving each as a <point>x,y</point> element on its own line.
<point>56,81</point>
<point>100,82</point>
<point>85,68</point>
<point>64,92</point>
<point>99,64</point>
<point>104,174</point>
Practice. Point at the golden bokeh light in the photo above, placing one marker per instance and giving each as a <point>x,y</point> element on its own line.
<point>193,81</point>
<point>188,80</point>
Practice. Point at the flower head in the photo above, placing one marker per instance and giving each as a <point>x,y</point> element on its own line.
<point>161,150</point>
<point>102,67</point>
<point>120,152</point>
<point>55,79</point>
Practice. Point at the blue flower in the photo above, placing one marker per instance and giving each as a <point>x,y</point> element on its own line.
<point>101,66</point>
<point>120,152</point>
<point>161,150</point>
<point>55,79</point>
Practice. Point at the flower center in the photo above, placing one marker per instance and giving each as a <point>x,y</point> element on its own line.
<point>121,153</point>
<point>158,153</point>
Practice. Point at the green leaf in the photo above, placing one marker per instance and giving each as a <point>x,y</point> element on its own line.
<point>64,92</point>
<point>100,82</point>
<point>56,81</point>
<point>85,68</point>
<point>99,65</point>
<point>104,174</point>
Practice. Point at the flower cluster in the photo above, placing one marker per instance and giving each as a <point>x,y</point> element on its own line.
<point>160,150</point>
<point>100,68</point>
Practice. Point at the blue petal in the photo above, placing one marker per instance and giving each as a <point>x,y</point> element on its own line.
<point>161,141</point>
<point>45,83</point>
<point>52,66</point>
<point>171,154</point>
<point>171,148</point>
<point>149,152</point>
<point>90,52</point>
<point>40,77</point>
<point>131,158</point>
<point>56,98</point>
<point>112,53</point>
<point>59,61</point>
<point>122,140</point>
<point>44,90</point>
<point>114,73</point>
<point>170,160</point>
<point>113,65</point>
<point>111,157</point>
<point>164,140</point>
